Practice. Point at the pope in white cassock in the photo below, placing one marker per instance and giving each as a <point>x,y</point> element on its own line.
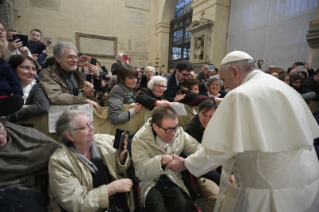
<point>263,132</point>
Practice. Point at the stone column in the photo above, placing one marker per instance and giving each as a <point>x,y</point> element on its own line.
<point>313,42</point>
<point>162,39</point>
<point>6,13</point>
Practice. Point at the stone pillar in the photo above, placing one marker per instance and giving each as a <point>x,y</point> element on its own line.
<point>162,39</point>
<point>313,42</point>
<point>6,13</point>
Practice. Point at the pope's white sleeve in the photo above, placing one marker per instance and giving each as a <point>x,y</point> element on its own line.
<point>205,160</point>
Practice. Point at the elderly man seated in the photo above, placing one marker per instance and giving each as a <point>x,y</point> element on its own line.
<point>23,153</point>
<point>63,83</point>
<point>152,148</point>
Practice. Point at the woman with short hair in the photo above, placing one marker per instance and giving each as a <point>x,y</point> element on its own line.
<point>123,93</point>
<point>154,94</point>
<point>33,94</point>
<point>86,173</point>
<point>214,85</point>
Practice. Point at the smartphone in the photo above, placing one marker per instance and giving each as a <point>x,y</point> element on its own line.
<point>120,137</point>
<point>300,63</point>
<point>89,77</point>
<point>127,57</point>
<point>48,43</point>
<point>23,38</point>
<point>211,67</point>
<point>93,61</point>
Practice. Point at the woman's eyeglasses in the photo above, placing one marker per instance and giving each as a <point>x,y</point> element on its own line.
<point>27,68</point>
<point>161,86</point>
<point>87,126</point>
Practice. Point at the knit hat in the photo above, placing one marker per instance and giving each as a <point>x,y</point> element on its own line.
<point>235,56</point>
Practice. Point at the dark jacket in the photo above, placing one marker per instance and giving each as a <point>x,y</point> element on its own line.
<point>36,47</point>
<point>9,82</point>
<point>202,80</point>
<point>221,92</point>
<point>143,83</point>
<point>309,85</point>
<point>194,129</point>
<point>172,88</point>
<point>147,98</point>
<point>114,68</point>
<point>193,99</point>
<point>39,105</point>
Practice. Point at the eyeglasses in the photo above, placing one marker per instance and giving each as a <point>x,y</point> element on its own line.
<point>161,86</point>
<point>70,57</point>
<point>2,129</point>
<point>87,126</point>
<point>169,130</point>
<point>27,68</point>
<point>185,75</point>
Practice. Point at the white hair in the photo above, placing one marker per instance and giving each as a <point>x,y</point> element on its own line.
<point>150,67</point>
<point>118,55</point>
<point>155,79</point>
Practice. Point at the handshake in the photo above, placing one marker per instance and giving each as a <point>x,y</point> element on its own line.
<point>173,162</point>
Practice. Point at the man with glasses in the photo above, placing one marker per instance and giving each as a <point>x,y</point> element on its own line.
<point>182,73</point>
<point>63,83</point>
<point>152,148</point>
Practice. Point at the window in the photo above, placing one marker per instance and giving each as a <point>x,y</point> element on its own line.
<point>179,35</point>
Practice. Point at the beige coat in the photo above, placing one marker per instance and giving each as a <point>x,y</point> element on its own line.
<point>146,156</point>
<point>71,183</point>
<point>57,91</point>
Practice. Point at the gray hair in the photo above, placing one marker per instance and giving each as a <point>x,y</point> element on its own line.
<point>244,65</point>
<point>213,79</point>
<point>59,47</point>
<point>150,67</point>
<point>155,79</point>
<point>66,122</point>
<point>120,54</point>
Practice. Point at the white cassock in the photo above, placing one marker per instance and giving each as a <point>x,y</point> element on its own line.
<point>263,131</point>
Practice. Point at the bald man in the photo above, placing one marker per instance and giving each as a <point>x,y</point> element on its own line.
<point>262,132</point>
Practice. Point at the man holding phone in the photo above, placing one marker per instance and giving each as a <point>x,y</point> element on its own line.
<point>310,71</point>
<point>63,83</point>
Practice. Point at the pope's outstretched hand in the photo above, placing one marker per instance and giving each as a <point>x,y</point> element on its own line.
<point>177,164</point>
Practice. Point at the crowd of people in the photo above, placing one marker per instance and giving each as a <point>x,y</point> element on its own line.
<point>87,174</point>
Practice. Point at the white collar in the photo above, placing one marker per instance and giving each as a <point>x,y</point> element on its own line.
<point>161,143</point>
<point>250,75</point>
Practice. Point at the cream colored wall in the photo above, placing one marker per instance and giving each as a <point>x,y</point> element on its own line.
<point>97,17</point>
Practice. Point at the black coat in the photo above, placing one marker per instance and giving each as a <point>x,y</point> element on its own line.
<point>309,85</point>
<point>194,129</point>
<point>147,98</point>
<point>172,88</point>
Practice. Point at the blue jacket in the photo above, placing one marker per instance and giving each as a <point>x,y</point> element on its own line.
<point>36,47</point>
<point>9,82</point>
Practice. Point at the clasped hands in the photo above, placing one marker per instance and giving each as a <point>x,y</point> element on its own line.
<point>173,162</point>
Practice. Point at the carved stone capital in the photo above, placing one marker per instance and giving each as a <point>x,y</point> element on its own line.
<point>313,34</point>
